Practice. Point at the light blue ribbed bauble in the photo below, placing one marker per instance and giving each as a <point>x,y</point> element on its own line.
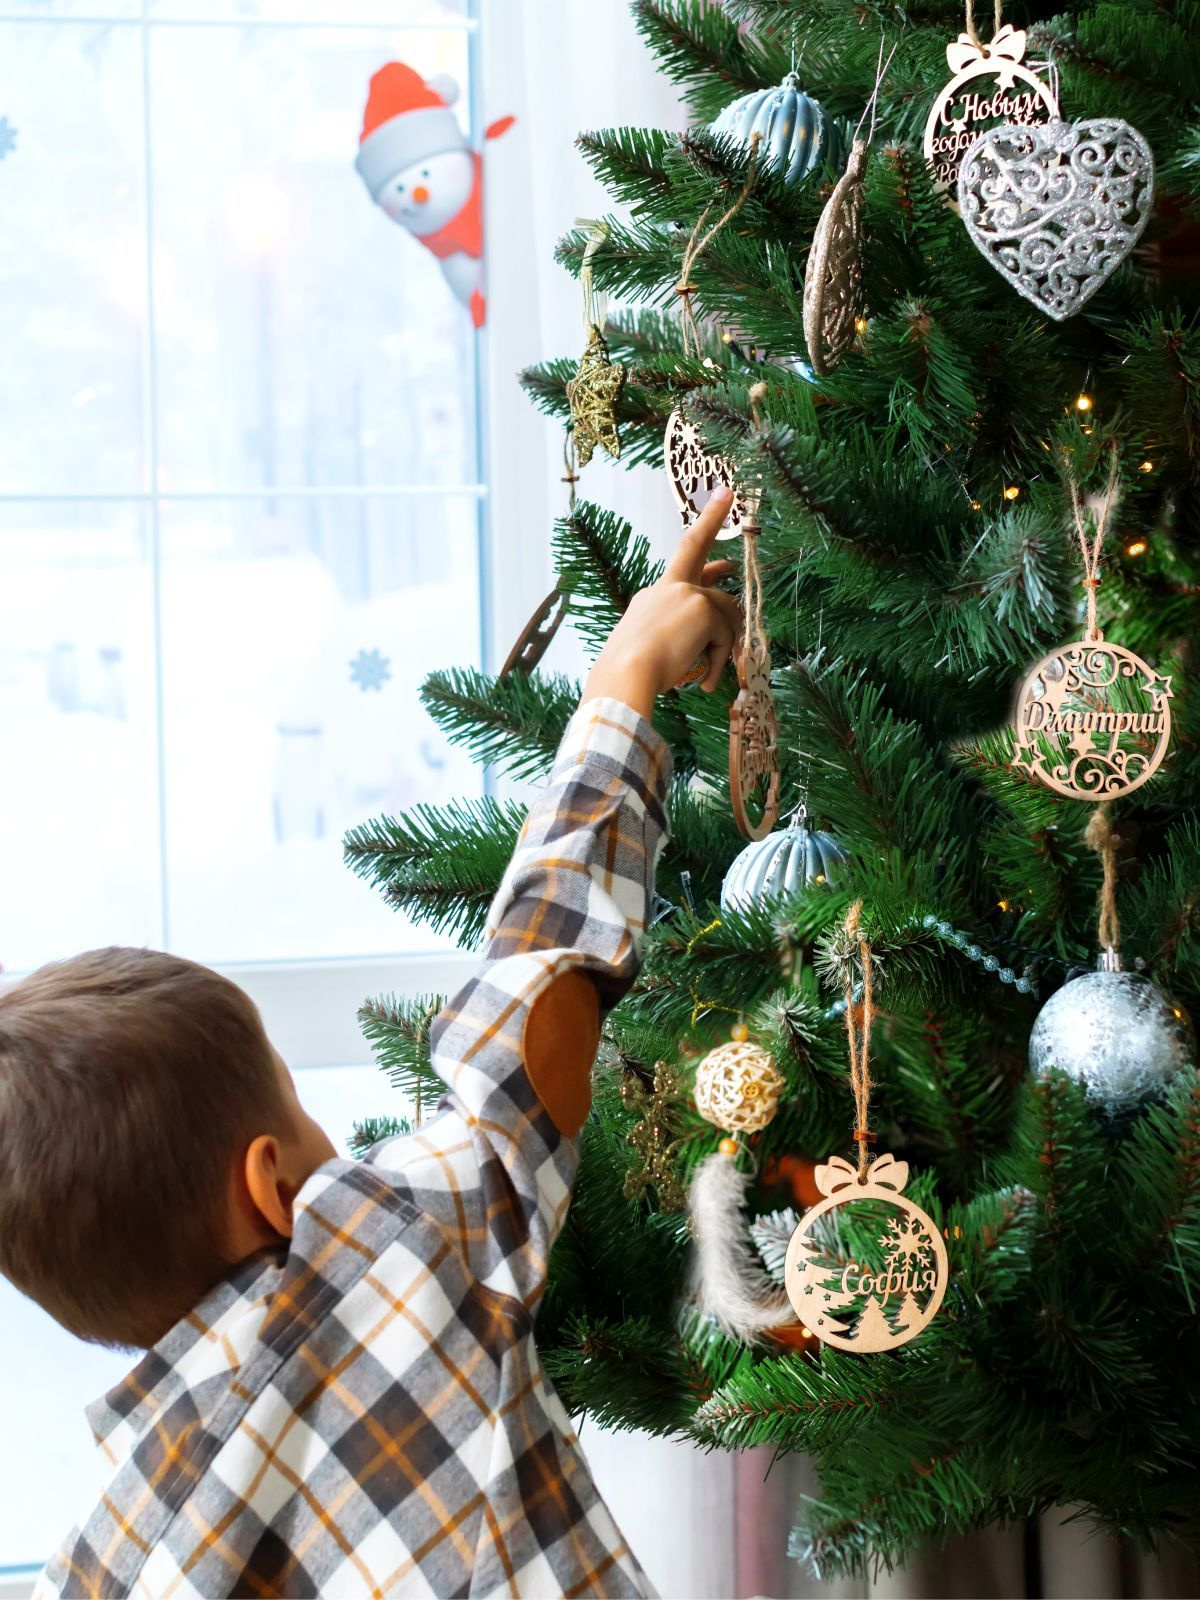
<point>797,135</point>
<point>786,860</point>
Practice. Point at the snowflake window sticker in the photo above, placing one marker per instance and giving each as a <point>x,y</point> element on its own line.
<point>370,669</point>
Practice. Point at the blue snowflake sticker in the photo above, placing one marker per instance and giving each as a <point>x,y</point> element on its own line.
<point>8,138</point>
<point>370,670</point>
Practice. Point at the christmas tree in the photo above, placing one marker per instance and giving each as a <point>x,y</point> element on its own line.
<point>917,551</point>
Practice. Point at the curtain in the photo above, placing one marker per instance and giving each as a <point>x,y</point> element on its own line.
<point>702,1524</point>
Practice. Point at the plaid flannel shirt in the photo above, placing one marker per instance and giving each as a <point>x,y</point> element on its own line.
<point>368,1414</point>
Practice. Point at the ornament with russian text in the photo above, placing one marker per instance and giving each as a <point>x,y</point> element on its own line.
<point>694,471</point>
<point>967,106</point>
<point>866,1268</point>
<point>1093,720</point>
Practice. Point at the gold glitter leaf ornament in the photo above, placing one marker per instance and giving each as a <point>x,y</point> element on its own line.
<point>593,394</point>
<point>833,299</point>
<point>655,1137</point>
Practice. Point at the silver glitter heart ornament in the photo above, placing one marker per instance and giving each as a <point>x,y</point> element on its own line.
<point>1057,207</point>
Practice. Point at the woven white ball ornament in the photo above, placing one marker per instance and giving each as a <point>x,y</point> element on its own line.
<point>738,1085</point>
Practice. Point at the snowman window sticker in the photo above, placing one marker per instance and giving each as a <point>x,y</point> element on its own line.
<point>419,169</point>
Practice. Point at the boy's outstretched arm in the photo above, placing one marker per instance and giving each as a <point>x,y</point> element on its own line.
<point>564,934</point>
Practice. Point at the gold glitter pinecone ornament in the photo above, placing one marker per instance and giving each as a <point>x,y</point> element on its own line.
<point>738,1085</point>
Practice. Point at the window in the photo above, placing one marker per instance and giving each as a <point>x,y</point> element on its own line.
<point>241,516</point>
<point>241,496</point>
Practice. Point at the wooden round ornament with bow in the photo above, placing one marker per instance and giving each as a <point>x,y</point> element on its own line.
<point>866,1268</point>
<point>1093,720</point>
<point>969,103</point>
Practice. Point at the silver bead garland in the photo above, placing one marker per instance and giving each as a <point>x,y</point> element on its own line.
<point>973,952</point>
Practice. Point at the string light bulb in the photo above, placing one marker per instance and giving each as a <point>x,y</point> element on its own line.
<point>1012,492</point>
<point>1137,548</point>
<point>1146,466</point>
<point>860,324</point>
<point>1083,402</point>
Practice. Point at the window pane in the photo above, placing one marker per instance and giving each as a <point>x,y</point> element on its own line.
<point>389,13</point>
<point>69,8</point>
<point>78,816</point>
<point>296,633</point>
<point>72,260</point>
<point>303,337</point>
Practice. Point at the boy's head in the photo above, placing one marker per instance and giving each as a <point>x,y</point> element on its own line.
<point>150,1137</point>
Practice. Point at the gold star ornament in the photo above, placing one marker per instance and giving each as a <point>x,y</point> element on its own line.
<point>593,394</point>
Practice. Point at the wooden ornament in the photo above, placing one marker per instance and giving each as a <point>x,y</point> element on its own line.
<point>694,472</point>
<point>534,638</point>
<point>1093,720</point>
<point>833,302</point>
<point>866,1269</point>
<point>738,1087</point>
<point>969,104</point>
<point>753,752</point>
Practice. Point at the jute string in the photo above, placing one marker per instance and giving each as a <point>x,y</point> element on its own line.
<point>699,243</point>
<point>858,1032</point>
<point>996,17</point>
<point>1101,837</point>
<point>754,635</point>
<point>1090,546</point>
<point>595,305</point>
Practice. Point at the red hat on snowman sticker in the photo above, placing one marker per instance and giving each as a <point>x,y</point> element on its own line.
<point>417,166</point>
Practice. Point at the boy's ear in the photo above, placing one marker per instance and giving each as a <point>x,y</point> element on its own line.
<point>266,1185</point>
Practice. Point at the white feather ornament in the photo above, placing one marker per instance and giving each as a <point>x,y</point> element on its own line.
<point>728,1282</point>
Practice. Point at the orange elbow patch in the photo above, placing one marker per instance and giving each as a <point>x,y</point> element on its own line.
<point>562,1033</point>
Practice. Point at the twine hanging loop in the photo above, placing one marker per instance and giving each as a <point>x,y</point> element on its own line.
<point>1091,542</point>
<point>858,1033</point>
<point>1101,837</point>
<point>699,243</point>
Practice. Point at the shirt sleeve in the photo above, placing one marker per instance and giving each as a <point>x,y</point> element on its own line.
<point>574,898</point>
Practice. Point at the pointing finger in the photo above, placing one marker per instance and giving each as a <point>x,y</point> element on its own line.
<point>687,563</point>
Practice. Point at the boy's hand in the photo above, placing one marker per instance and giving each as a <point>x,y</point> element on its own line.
<point>666,627</point>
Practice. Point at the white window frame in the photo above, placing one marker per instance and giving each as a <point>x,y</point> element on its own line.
<point>309,1007</point>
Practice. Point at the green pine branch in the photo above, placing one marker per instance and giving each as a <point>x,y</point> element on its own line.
<point>513,723</point>
<point>440,865</point>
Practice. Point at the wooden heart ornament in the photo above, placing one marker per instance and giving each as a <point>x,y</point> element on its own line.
<point>1057,207</point>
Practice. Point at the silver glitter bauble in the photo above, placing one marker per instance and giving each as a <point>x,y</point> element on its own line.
<point>783,862</point>
<point>796,135</point>
<point>1057,207</point>
<point>1116,1033</point>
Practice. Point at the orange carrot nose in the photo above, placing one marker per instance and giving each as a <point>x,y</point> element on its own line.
<point>420,194</point>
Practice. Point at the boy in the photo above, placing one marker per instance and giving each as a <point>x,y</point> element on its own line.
<point>341,1394</point>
